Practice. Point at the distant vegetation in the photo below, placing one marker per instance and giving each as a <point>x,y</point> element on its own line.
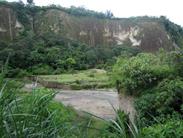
<point>51,54</point>
<point>77,11</point>
<point>175,31</point>
<point>81,11</point>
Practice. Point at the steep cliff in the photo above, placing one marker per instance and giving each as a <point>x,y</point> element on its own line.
<point>9,24</point>
<point>149,34</point>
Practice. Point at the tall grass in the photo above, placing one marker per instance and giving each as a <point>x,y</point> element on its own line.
<point>37,115</point>
<point>26,117</point>
<point>32,115</point>
<point>120,127</point>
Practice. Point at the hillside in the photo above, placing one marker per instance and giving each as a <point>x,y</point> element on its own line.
<point>75,73</point>
<point>88,27</point>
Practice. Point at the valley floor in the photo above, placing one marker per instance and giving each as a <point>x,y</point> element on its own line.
<point>96,102</point>
<point>87,94</point>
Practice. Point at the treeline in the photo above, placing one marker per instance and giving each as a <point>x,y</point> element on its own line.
<point>174,30</point>
<point>53,54</point>
<point>81,11</point>
<point>22,8</point>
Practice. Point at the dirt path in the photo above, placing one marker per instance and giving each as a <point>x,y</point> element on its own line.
<point>97,102</point>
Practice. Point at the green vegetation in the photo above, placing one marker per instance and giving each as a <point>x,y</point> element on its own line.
<point>142,72</point>
<point>170,129</point>
<point>174,30</point>
<point>52,54</point>
<point>76,11</point>
<point>93,78</point>
<point>156,82</point>
<point>35,115</point>
<point>30,115</point>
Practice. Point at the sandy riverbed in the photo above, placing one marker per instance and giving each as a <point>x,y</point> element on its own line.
<point>97,102</point>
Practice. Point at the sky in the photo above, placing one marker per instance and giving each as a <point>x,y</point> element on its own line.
<point>172,9</point>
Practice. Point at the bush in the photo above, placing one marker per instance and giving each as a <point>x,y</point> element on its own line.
<point>91,75</point>
<point>170,129</point>
<point>58,71</point>
<point>22,73</point>
<point>163,101</point>
<point>141,72</point>
<point>42,69</point>
<point>177,61</point>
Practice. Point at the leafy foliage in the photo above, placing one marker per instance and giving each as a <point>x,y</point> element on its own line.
<point>43,54</point>
<point>161,102</point>
<point>31,115</point>
<point>141,72</point>
<point>170,129</point>
<point>156,81</point>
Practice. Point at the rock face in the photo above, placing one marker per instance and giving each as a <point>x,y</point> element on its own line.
<point>146,33</point>
<point>9,24</point>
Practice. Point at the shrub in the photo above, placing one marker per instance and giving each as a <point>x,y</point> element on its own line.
<point>170,129</point>
<point>22,73</point>
<point>78,81</point>
<point>163,101</point>
<point>12,72</point>
<point>91,75</point>
<point>42,69</point>
<point>141,72</point>
<point>121,127</point>
<point>177,61</point>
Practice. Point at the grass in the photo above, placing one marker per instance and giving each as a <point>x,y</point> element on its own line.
<point>36,114</point>
<point>92,78</point>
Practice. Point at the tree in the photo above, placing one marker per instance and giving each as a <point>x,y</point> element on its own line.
<point>109,14</point>
<point>30,1</point>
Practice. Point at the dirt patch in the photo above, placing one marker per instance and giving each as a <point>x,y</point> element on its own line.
<point>92,101</point>
<point>97,102</point>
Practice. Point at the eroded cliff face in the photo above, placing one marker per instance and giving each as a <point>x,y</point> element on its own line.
<point>148,35</point>
<point>9,24</point>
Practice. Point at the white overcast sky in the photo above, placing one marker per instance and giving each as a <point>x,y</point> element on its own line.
<point>173,9</point>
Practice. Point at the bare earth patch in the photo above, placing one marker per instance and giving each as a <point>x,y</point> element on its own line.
<point>97,102</point>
